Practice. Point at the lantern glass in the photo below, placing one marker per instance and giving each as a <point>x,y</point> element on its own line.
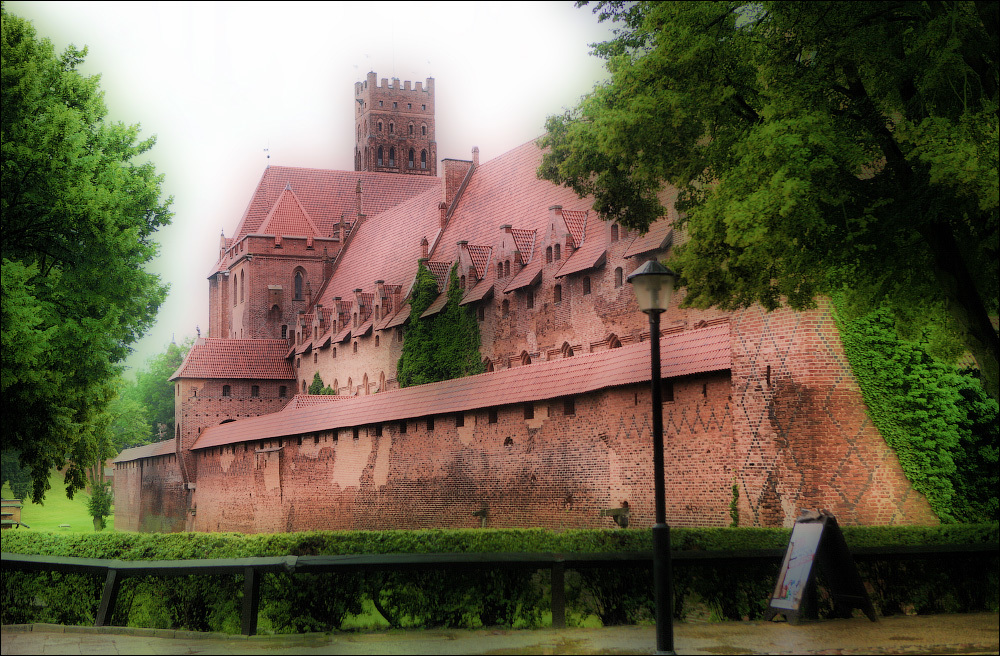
<point>653,285</point>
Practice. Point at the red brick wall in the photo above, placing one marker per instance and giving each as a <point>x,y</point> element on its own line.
<point>553,470</point>
<point>803,438</point>
<point>150,495</point>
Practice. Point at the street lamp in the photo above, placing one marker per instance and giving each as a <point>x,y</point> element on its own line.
<point>653,285</point>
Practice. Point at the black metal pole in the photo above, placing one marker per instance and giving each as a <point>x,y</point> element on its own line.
<point>662,576</point>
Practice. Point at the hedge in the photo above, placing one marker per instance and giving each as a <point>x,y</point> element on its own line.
<point>724,589</point>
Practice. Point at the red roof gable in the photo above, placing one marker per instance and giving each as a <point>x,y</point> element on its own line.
<point>166,447</point>
<point>505,190</point>
<point>683,353</point>
<point>658,237</point>
<point>576,222</point>
<point>262,359</point>
<point>289,218</point>
<point>524,240</point>
<point>531,274</point>
<point>480,259</point>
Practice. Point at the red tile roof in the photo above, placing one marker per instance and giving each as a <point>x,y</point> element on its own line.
<point>327,195</point>
<point>262,359</point>
<point>441,272</point>
<point>289,218</point>
<point>505,190</point>
<point>386,246</point>
<point>531,274</point>
<point>436,306</point>
<point>576,221</point>
<point>166,447</point>
<point>343,335</point>
<point>657,238</point>
<point>589,256</point>
<point>524,240</point>
<point>483,289</point>
<point>399,318</point>
<point>683,353</point>
<point>480,256</point>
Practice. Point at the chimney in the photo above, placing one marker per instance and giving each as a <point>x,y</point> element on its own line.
<point>424,246</point>
<point>455,171</point>
<point>443,211</point>
<point>555,212</point>
<point>357,193</point>
<point>340,230</point>
<point>475,156</point>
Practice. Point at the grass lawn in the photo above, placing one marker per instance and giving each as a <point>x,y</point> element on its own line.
<point>57,510</point>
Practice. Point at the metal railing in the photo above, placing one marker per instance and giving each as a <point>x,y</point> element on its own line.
<point>115,571</point>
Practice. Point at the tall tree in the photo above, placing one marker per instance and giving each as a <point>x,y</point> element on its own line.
<point>817,146</point>
<point>154,390</point>
<point>79,213</point>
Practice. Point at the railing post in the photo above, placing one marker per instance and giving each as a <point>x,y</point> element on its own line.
<point>559,595</point>
<point>251,601</point>
<point>112,582</point>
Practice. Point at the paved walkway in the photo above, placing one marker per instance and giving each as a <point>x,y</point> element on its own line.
<point>974,633</point>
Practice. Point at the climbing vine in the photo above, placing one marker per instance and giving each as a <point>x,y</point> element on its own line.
<point>442,346</point>
<point>938,420</point>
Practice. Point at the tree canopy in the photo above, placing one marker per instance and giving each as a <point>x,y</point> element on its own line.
<point>79,212</point>
<point>817,147</point>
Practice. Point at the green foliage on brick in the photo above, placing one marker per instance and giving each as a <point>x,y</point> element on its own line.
<point>729,589</point>
<point>442,346</point>
<point>938,420</point>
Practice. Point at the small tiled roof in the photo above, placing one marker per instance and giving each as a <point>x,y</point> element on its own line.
<point>524,241</point>
<point>304,347</point>
<point>531,274</point>
<point>363,329</point>
<point>483,289</point>
<point>440,271</point>
<point>343,335</point>
<point>683,353</point>
<point>657,238</point>
<point>262,359</point>
<point>436,306</point>
<point>576,221</point>
<point>590,256</point>
<point>166,447</point>
<point>480,259</point>
<point>289,218</point>
<point>399,318</point>
<point>312,400</point>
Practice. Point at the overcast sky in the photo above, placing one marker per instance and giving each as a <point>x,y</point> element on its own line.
<point>224,85</point>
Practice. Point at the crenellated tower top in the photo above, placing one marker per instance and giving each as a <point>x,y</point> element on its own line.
<point>394,126</point>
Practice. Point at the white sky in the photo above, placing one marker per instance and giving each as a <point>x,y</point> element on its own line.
<point>218,83</point>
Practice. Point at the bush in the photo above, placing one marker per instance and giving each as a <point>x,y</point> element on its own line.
<point>729,589</point>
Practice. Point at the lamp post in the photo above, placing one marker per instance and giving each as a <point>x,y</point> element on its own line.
<point>653,285</point>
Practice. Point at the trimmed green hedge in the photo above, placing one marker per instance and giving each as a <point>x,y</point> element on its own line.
<point>321,602</point>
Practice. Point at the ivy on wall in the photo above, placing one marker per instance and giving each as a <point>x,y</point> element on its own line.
<point>442,346</point>
<point>938,420</point>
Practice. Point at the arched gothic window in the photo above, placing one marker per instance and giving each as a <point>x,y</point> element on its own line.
<point>298,285</point>
<point>618,277</point>
<point>423,130</point>
<point>423,159</point>
<point>558,252</point>
<point>411,129</point>
<point>614,233</point>
<point>525,358</point>
<point>548,255</point>
<point>567,350</point>
<point>392,127</point>
<point>380,155</point>
<point>411,151</point>
<point>392,157</point>
<point>243,284</point>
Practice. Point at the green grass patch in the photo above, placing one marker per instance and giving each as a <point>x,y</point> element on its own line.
<point>57,510</point>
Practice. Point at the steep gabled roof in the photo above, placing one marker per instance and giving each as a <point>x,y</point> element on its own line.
<point>576,222</point>
<point>326,195</point>
<point>524,241</point>
<point>480,256</point>
<point>683,353</point>
<point>289,218</point>
<point>262,359</point>
<point>658,237</point>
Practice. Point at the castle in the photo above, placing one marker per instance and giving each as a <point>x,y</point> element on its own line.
<point>556,433</point>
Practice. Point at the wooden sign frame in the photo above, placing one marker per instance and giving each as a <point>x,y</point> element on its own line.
<point>816,538</point>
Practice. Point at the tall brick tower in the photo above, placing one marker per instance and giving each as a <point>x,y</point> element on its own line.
<point>394,127</point>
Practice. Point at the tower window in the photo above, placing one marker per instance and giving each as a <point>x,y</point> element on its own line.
<point>380,156</point>
<point>411,129</point>
<point>411,150</point>
<point>392,157</point>
<point>423,158</point>
<point>392,126</point>
<point>226,390</point>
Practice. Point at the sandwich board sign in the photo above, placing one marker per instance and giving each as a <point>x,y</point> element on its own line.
<point>817,539</point>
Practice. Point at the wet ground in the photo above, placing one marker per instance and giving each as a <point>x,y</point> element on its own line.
<point>974,633</point>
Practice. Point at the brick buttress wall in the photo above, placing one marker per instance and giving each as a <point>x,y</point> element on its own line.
<point>803,437</point>
<point>150,495</point>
